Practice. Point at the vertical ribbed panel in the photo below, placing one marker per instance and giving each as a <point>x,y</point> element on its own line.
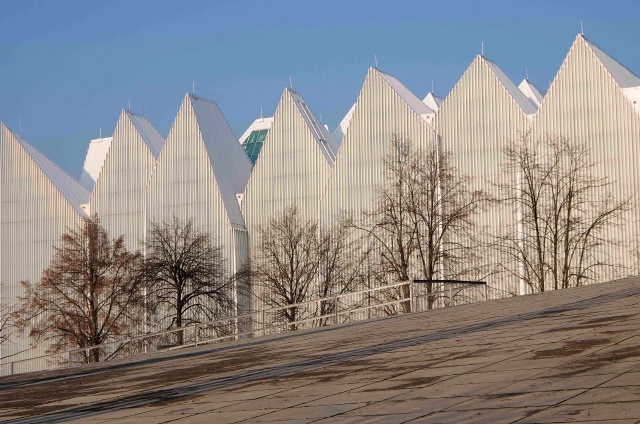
<point>379,114</point>
<point>34,214</point>
<point>586,105</point>
<point>292,169</point>
<point>119,194</point>
<point>184,183</point>
<point>475,122</point>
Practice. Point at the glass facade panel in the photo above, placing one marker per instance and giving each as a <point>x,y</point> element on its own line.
<point>253,144</point>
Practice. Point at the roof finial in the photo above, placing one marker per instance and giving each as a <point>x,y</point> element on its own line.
<point>260,112</point>
<point>20,125</point>
<point>193,88</point>
<point>100,132</point>
<point>129,102</point>
<point>290,82</point>
<point>482,48</point>
<point>375,59</point>
<point>581,29</point>
<point>432,86</point>
<point>143,114</point>
<point>526,73</point>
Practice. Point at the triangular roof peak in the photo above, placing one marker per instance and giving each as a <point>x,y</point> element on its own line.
<point>432,101</point>
<point>623,77</point>
<point>147,131</point>
<point>527,106</point>
<point>532,92</point>
<point>71,189</point>
<point>327,144</point>
<point>229,163</point>
<point>414,103</point>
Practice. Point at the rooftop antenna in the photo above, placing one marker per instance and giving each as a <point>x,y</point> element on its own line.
<point>581,29</point>
<point>260,112</point>
<point>100,132</point>
<point>526,73</point>
<point>375,59</point>
<point>20,125</point>
<point>482,48</point>
<point>320,117</point>
<point>432,86</point>
<point>193,88</point>
<point>290,82</point>
<point>129,100</point>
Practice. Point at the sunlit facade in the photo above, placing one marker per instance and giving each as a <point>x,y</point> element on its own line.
<point>232,186</point>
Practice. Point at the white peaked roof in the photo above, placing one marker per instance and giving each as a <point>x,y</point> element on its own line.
<point>434,102</point>
<point>229,163</point>
<point>327,144</point>
<point>338,134</point>
<point>531,92</point>
<point>527,106</point>
<point>148,133</point>
<point>414,103</point>
<point>257,125</point>
<point>71,189</point>
<point>96,154</point>
<point>623,77</point>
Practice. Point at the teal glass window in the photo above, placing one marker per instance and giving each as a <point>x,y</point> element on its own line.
<point>253,144</point>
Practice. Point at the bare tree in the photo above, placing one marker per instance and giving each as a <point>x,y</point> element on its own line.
<point>6,326</point>
<point>423,224</point>
<point>566,213</point>
<point>187,275</point>
<point>298,261</point>
<point>89,294</point>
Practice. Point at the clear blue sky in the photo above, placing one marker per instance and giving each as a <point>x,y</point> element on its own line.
<point>67,68</point>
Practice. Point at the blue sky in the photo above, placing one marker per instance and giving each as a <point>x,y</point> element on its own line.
<point>67,68</point>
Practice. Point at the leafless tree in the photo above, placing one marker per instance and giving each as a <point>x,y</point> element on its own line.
<point>89,294</point>
<point>423,225</point>
<point>6,325</point>
<point>187,276</point>
<point>298,261</point>
<point>566,213</point>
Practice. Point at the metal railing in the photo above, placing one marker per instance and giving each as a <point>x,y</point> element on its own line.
<point>404,297</point>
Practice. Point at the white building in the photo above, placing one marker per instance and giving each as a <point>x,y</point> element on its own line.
<point>201,171</point>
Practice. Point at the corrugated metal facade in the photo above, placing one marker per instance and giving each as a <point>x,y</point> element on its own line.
<point>586,104</point>
<point>292,169</point>
<point>199,172</point>
<point>379,113</point>
<point>475,122</point>
<point>119,195</point>
<point>34,214</point>
<point>202,167</point>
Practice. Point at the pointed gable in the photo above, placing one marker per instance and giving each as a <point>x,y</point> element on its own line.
<point>480,116</point>
<point>588,102</point>
<point>39,203</point>
<point>228,162</point>
<point>384,109</point>
<point>118,196</point>
<point>432,101</point>
<point>294,164</point>
<point>531,92</point>
<point>200,169</point>
<point>72,191</point>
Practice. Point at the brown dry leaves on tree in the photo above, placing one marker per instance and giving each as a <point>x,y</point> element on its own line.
<point>89,294</point>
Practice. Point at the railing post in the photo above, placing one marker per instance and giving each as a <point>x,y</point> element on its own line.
<point>335,307</point>
<point>264,323</point>
<point>11,370</point>
<point>196,335</point>
<point>412,302</point>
